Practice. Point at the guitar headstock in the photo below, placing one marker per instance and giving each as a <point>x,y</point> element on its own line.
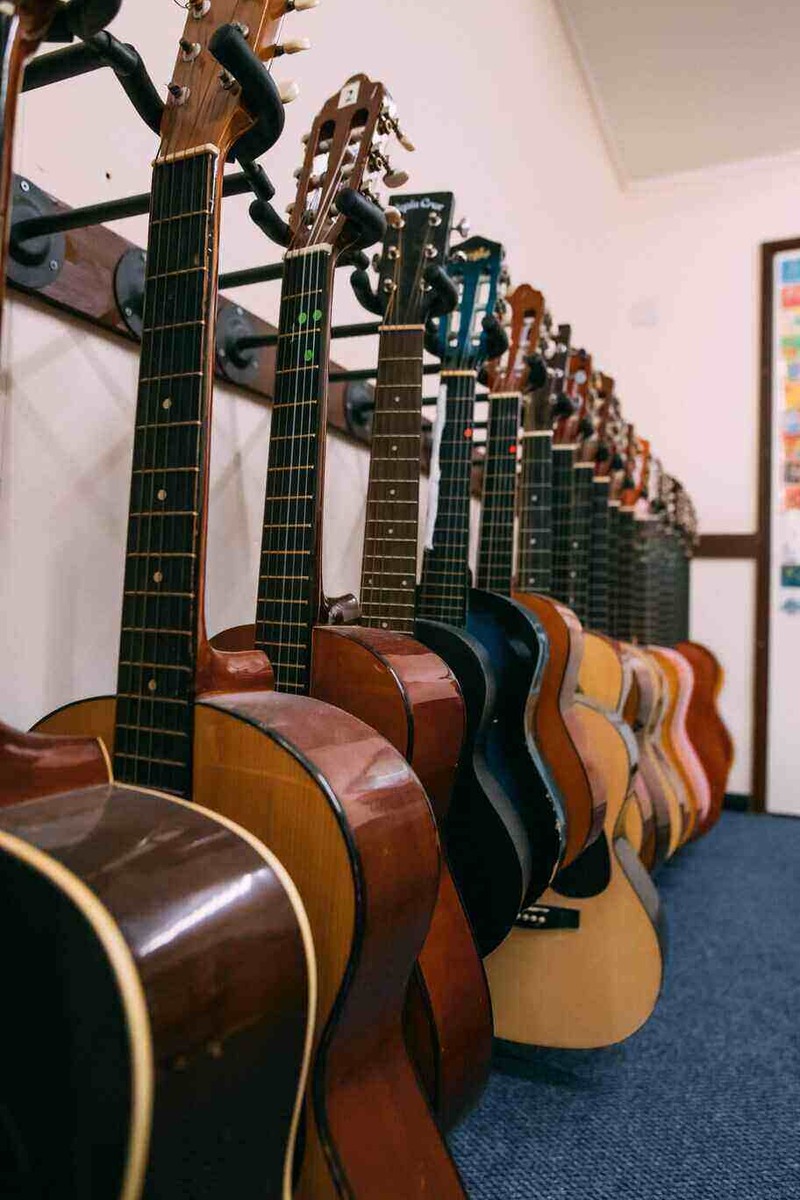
<point>346,151</point>
<point>475,267</point>
<point>204,103</point>
<point>416,244</point>
<point>604,427</point>
<point>554,343</point>
<point>524,315</point>
<point>572,415</point>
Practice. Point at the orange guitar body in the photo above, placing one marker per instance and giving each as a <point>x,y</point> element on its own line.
<point>407,693</point>
<point>559,728</point>
<point>705,726</point>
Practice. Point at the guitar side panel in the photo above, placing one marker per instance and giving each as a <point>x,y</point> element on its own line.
<point>411,697</point>
<point>517,648</point>
<point>486,841</point>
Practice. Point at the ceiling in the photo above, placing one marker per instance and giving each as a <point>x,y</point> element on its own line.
<point>686,84</point>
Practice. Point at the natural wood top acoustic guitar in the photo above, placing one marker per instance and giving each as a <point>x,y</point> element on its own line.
<point>160,967</point>
<point>330,797</point>
<point>378,671</point>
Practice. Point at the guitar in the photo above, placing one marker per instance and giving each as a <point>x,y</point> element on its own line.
<point>595,934</point>
<point>378,671</point>
<point>336,803</point>
<point>706,728</point>
<point>564,742</point>
<point>488,843</point>
<point>160,968</point>
<point>512,637</point>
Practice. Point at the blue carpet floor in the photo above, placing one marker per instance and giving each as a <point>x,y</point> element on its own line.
<point>704,1102</point>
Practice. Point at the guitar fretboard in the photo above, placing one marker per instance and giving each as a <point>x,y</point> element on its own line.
<point>444,588</point>
<point>535,540</point>
<point>580,541</point>
<point>613,568</point>
<point>158,645</point>
<point>289,580</point>
<point>496,552</point>
<point>599,557</point>
<point>625,581</point>
<point>563,497</point>
<point>389,573</point>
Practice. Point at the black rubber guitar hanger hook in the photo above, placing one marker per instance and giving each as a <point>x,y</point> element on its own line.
<point>81,18</point>
<point>260,94</point>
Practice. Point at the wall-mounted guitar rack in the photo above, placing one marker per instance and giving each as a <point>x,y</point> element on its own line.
<point>68,259</point>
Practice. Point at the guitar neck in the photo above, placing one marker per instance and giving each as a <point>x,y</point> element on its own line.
<point>612,578</point>
<point>444,588</point>
<point>626,576</point>
<point>563,500</point>
<point>496,550</point>
<point>389,573</point>
<point>599,556</point>
<point>535,539</point>
<point>290,585</point>
<point>161,611</point>
<point>580,541</point>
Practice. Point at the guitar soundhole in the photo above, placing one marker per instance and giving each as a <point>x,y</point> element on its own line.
<point>589,875</point>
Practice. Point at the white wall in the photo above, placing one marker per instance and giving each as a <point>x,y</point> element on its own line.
<point>500,115</point>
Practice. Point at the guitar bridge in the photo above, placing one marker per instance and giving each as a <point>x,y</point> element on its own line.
<point>548,916</point>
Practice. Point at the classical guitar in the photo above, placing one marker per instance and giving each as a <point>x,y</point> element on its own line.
<point>378,671</point>
<point>488,842</point>
<point>706,728</point>
<point>564,743</point>
<point>160,970</point>
<point>336,803</point>
<point>594,935</point>
<point>513,638</point>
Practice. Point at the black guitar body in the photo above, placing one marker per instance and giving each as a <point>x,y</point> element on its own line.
<point>517,648</point>
<point>487,842</point>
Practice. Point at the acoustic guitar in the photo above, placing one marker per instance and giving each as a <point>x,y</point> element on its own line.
<point>336,803</point>
<point>486,836</point>
<point>540,546</point>
<point>160,967</point>
<point>595,935</point>
<point>378,671</point>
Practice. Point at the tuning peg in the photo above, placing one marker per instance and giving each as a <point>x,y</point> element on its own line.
<point>300,5</point>
<point>293,46</point>
<point>199,8</point>
<point>404,141</point>
<point>189,50</point>
<point>288,91</point>
<point>177,95</point>
<point>394,217</point>
<point>395,179</point>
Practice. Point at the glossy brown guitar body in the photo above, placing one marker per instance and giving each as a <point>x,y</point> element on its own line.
<point>349,821</point>
<point>559,729</point>
<point>641,710</point>
<point>705,726</point>
<point>407,693</point>
<point>160,977</point>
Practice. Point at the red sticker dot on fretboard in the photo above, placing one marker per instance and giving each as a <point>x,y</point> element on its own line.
<point>467,433</point>
<point>512,449</point>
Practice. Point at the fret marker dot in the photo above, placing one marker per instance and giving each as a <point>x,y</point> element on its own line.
<point>535,498</point>
<point>309,354</point>
<point>533,541</point>
<point>384,624</point>
<point>392,491</point>
<point>405,583</point>
<point>158,577</point>
<point>166,403</point>
<point>161,494</point>
<point>151,685</point>
<point>391,531</point>
<point>303,317</point>
<point>317,314</point>
<point>397,399</point>
<point>394,449</point>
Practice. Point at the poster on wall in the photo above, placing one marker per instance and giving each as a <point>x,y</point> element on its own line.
<point>786,423</point>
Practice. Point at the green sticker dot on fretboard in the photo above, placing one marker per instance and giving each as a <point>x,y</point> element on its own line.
<point>309,354</point>
<point>301,320</point>
<point>317,314</point>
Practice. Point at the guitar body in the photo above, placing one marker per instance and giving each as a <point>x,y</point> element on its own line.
<point>705,726</point>
<point>352,826</point>
<point>677,670</point>
<point>595,984</point>
<point>603,676</point>
<point>411,698</point>
<point>558,731</point>
<point>159,991</point>
<point>518,650</point>
<point>642,712</point>
<point>487,842</point>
